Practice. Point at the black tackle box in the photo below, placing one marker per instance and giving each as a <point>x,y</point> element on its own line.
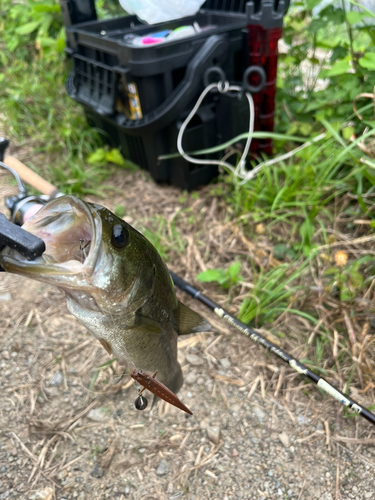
<point>139,96</point>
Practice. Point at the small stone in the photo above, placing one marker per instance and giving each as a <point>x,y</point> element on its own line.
<point>4,297</point>
<point>3,469</point>
<point>81,496</point>
<point>190,378</point>
<point>163,468</point>
<point>225,363</point>
<point>62,475</point>
<point>96,414</point>
<point>368,494</point>
<point>204,424</point>
<point>97,472</point>
<point>56,379</point>
<point>127,490</point>
<point>5,354</point>
<point>326,496</point>
<point>259,413</point>
<point>170,488</point>
<point>194,360</point>
<point>284,439</point>
<point>44,494</point>
<point>213,434</point>
<point>13,451</point>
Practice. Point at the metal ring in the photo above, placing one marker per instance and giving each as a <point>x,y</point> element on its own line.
<point>246,87</point>
<point>223,87</point>
<point>213,69</point>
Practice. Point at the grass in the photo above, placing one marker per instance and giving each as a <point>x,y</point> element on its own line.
<point>300,212</point>
<point>39,113</point>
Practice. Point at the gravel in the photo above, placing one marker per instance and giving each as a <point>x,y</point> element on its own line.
<point>194,359</point>
<point>163,468</point>
<point>229,449</point>
<point>213,434</point>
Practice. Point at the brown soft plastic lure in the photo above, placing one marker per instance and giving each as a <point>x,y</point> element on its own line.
<point>160,390</point>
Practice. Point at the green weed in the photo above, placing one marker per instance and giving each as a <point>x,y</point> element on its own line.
<point>226,278</point>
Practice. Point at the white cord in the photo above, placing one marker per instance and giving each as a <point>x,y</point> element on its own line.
<point>222,87</point>
<point>240,170</point>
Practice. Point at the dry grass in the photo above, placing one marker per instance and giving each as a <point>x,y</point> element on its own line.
<point>195,234</point>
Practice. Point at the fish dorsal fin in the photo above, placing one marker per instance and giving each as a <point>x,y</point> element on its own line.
<point>189,321</point>
<point>147,325</point>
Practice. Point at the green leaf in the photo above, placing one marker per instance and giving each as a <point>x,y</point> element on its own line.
<point>97,157</point>
<point>347,132</point>
<point>345,294</point>
<point>212,275</point>
<point>305,129</point>
<point>60,44</point>
<point>46,42</point>
<point>279,251</point>
<point>331,270</point>
<point>306,231</point>
<point>27,28</point>
<point>368,60</point>
<point>356,279</point>
<point>354,17</point>
<point>47,8</point>
<point>372,224</point>
<point>339,68</point>
<point>114,156</point>
<point>234,269</point>
<point>310,4</point>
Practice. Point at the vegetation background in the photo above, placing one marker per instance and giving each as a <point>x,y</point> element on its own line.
<point>312,214</point>
<point>302,205</point>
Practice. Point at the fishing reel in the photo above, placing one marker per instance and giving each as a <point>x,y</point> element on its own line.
<point>21,206</point>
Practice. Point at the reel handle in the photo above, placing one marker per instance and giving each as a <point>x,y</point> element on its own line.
<point>31,178</point>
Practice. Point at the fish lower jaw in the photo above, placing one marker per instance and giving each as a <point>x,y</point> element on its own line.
<point>81,299</point>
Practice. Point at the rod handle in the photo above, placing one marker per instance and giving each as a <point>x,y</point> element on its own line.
<point>30,177</point>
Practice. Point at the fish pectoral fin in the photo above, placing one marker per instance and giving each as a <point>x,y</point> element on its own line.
<point>189,321</point>
<point>147,325</point>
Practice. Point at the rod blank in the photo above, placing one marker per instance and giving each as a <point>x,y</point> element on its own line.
<point>287,358</point>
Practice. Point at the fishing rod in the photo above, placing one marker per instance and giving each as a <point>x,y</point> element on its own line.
<point>23,244</point>
<point>287,358</point>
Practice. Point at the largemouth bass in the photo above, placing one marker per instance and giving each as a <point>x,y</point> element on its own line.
<point>115,283</point>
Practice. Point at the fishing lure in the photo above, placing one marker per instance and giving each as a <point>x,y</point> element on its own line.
<point>160,390</point>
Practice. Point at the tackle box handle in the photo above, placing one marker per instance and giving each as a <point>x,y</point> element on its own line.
<point>213,50</point>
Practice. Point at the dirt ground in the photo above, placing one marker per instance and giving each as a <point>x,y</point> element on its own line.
<point>68,431</point>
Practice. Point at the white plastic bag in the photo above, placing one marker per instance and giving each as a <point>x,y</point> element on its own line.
<point>158,11</point>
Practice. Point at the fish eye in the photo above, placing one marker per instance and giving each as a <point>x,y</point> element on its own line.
<point>120,236</point>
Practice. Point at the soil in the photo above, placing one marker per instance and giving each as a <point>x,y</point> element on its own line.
<point>69,430</point>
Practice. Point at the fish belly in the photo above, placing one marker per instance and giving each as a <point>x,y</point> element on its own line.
<point>148,352</point>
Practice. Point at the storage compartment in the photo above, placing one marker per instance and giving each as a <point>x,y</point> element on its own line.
<point>139,94</point>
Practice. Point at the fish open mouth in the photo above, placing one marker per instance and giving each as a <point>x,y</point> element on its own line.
<point>72,232</point>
